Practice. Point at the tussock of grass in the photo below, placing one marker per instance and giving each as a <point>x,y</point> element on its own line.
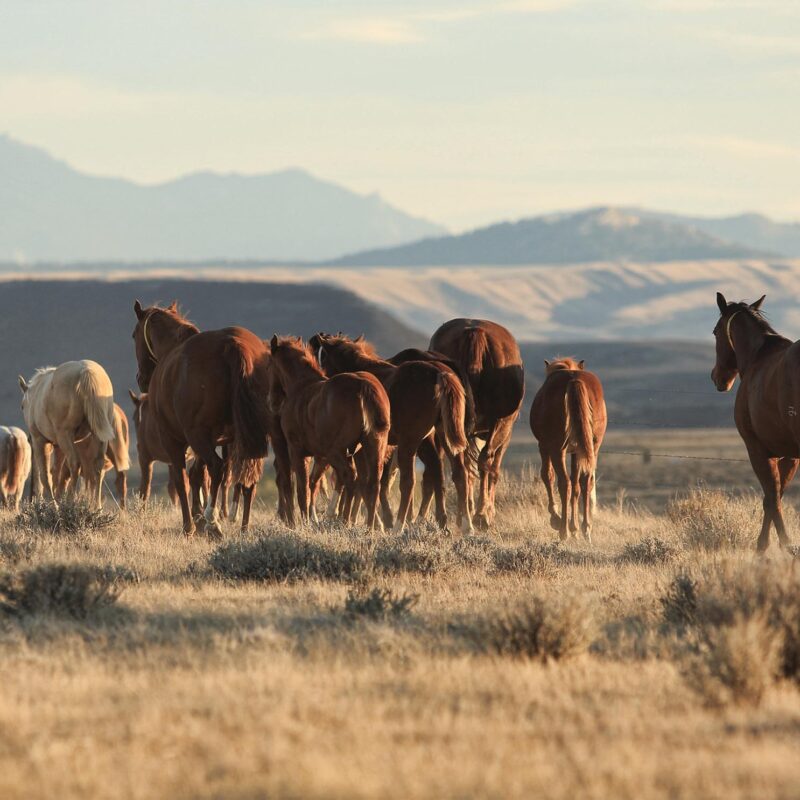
<point>542,630</point>
<point>713,520</point>
<point>527,559</point>
<point>650,550</point>
<point>378,604</point>
<point>285,557</point>
<point>60,589</point>
<point>71,516</point>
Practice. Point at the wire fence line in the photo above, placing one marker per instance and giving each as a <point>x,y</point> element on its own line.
<point>644,453</point>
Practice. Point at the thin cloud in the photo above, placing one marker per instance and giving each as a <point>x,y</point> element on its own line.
<point>411,28</point>
<point>750,148</point>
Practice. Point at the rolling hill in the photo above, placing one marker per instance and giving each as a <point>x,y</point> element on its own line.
<point>48,322</point>
<point>51,212</point>
<point>596,234</point>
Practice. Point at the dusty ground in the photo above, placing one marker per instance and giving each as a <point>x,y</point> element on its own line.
<point>199,683</point>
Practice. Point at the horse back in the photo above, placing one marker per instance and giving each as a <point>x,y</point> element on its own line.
<point>548,418</point>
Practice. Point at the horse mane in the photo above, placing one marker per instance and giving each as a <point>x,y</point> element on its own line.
<point>38,373</point>
<point>361,346</point>
<point>562,363</point>
<point>174,313</point>
<point>297,345</point>
<point>758,316</point>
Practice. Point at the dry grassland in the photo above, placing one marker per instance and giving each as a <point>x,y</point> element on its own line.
<point>660,662</point>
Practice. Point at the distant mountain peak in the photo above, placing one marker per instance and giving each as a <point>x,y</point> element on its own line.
<point>53,212</point>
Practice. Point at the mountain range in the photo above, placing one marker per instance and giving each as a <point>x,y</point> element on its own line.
<point>52,212</point>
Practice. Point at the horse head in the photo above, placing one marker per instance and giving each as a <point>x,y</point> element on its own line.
<point>727,364</point>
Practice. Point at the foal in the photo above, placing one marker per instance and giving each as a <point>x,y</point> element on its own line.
<point>425,397</point>
<point>568,415</point>
<point>329,418</point>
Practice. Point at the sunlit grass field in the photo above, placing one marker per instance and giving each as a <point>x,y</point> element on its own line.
<point>661,661</point>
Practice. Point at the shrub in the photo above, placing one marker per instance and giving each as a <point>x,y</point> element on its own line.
<point>542,630</point>
<point>528,559</point>
<point>71,516</point>
<point>717,604</point>
<point>650,550</point>
<point>738,662</point>
<point>405,555</point>
<point>285,557</point>
<point>713,520</point>
<point>378,604</point>
<point>61,589</point>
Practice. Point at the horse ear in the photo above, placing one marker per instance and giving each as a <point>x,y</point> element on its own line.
<point>138,310</point>
<point>23,384</point>
<point>173,306</point>
<point>757,305</point>
<point>546,363</point>
<point>581,363</point>
<point>135,397</point>
<point>359,338</point>
<point>273,342</point>
<point>722,302</point>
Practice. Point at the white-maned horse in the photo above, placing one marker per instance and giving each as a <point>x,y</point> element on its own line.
<point>15,466</point>
<point>61,405</point>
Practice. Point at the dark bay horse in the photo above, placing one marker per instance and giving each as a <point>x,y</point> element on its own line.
<point>426,397</point>
<point>489,355</point>
<point>329,418</point>
<point>204,389</point>
<point>767,409</point>
<point>568,415</point>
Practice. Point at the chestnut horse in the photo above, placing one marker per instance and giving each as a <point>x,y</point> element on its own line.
<point>767,401</point>
<point>329,418</point>
<point>204,389</point>
<point>490,357</point>
<point>568,415</point>
<point>425,397</point>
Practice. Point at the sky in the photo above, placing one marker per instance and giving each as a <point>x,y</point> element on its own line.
<point>462,112</point>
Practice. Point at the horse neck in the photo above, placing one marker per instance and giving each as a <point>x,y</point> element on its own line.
<point>178,331</point>
<point>748,339</point>
<point>297,374</point>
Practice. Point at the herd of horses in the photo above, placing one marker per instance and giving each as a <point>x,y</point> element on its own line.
<point>212,403</point>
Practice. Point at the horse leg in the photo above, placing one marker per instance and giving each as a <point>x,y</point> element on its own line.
<point>766,470</point>
<point>405,462</point>
<point>371,463</point>
<point>547,476</point>
<point>207,453</point>
<point>345,469</point>
<point>177,472</point>
<point>121,484</point>
<point>787,467</point>
<point>283,475</point>
<point>458,470</point>
<point>500,442</point>
<point>300,469</point>
<point>317,474</point>
<point>237,495</point>
<point>480,518</point>
<point>65,442</point>
<point>575,480</point>
<point>431,456</point>
<point>227,474</point>
<point>587,487</point>
<point>41,458</point>
<point>95,458</point>
<point>248,493</point>
<point>196,475</point>
<point>387,479</point>
<point>564,487</point>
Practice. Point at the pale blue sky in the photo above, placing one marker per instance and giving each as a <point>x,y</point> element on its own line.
<point>463,112</point>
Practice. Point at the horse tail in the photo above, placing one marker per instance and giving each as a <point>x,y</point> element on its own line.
<point>250,412</point>
<point>374,406</point>
<point>14,464</point>
<point>98,407</point>
<point>118,446</point>
<point>452,411</point>
<point>580,424</point>
<point>474,347</point>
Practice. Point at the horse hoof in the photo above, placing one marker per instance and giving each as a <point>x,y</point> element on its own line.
<point>200,523</point>
<point>214,532</point>
<point>481,522</point>
<point>555,522</point>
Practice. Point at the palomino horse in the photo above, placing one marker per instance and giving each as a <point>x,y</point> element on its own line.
<point>205,389</point>
<point>15,466</point>
<point>61,405</point>
<point>329,418</point>
<point>425,397</point>
<point>767,401</point>
<point>568,415</point>
<point>490,357</point>
<point>116,457</point>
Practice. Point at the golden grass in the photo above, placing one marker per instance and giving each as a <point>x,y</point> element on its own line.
<point>201,682</point>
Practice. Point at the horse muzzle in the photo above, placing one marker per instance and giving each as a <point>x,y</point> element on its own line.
<point>724,383</point>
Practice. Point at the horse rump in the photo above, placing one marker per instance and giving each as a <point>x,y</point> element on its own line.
<point>250,412</point>
<point>98,407</point>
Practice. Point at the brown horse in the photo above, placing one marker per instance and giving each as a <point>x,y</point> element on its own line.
<point>568,415</point>
<point>767,401</point>
<point>116,457</point>
<point>205,389</point>
<point>425,397</point>
<point>490,357</point>
<point>329,418</point>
